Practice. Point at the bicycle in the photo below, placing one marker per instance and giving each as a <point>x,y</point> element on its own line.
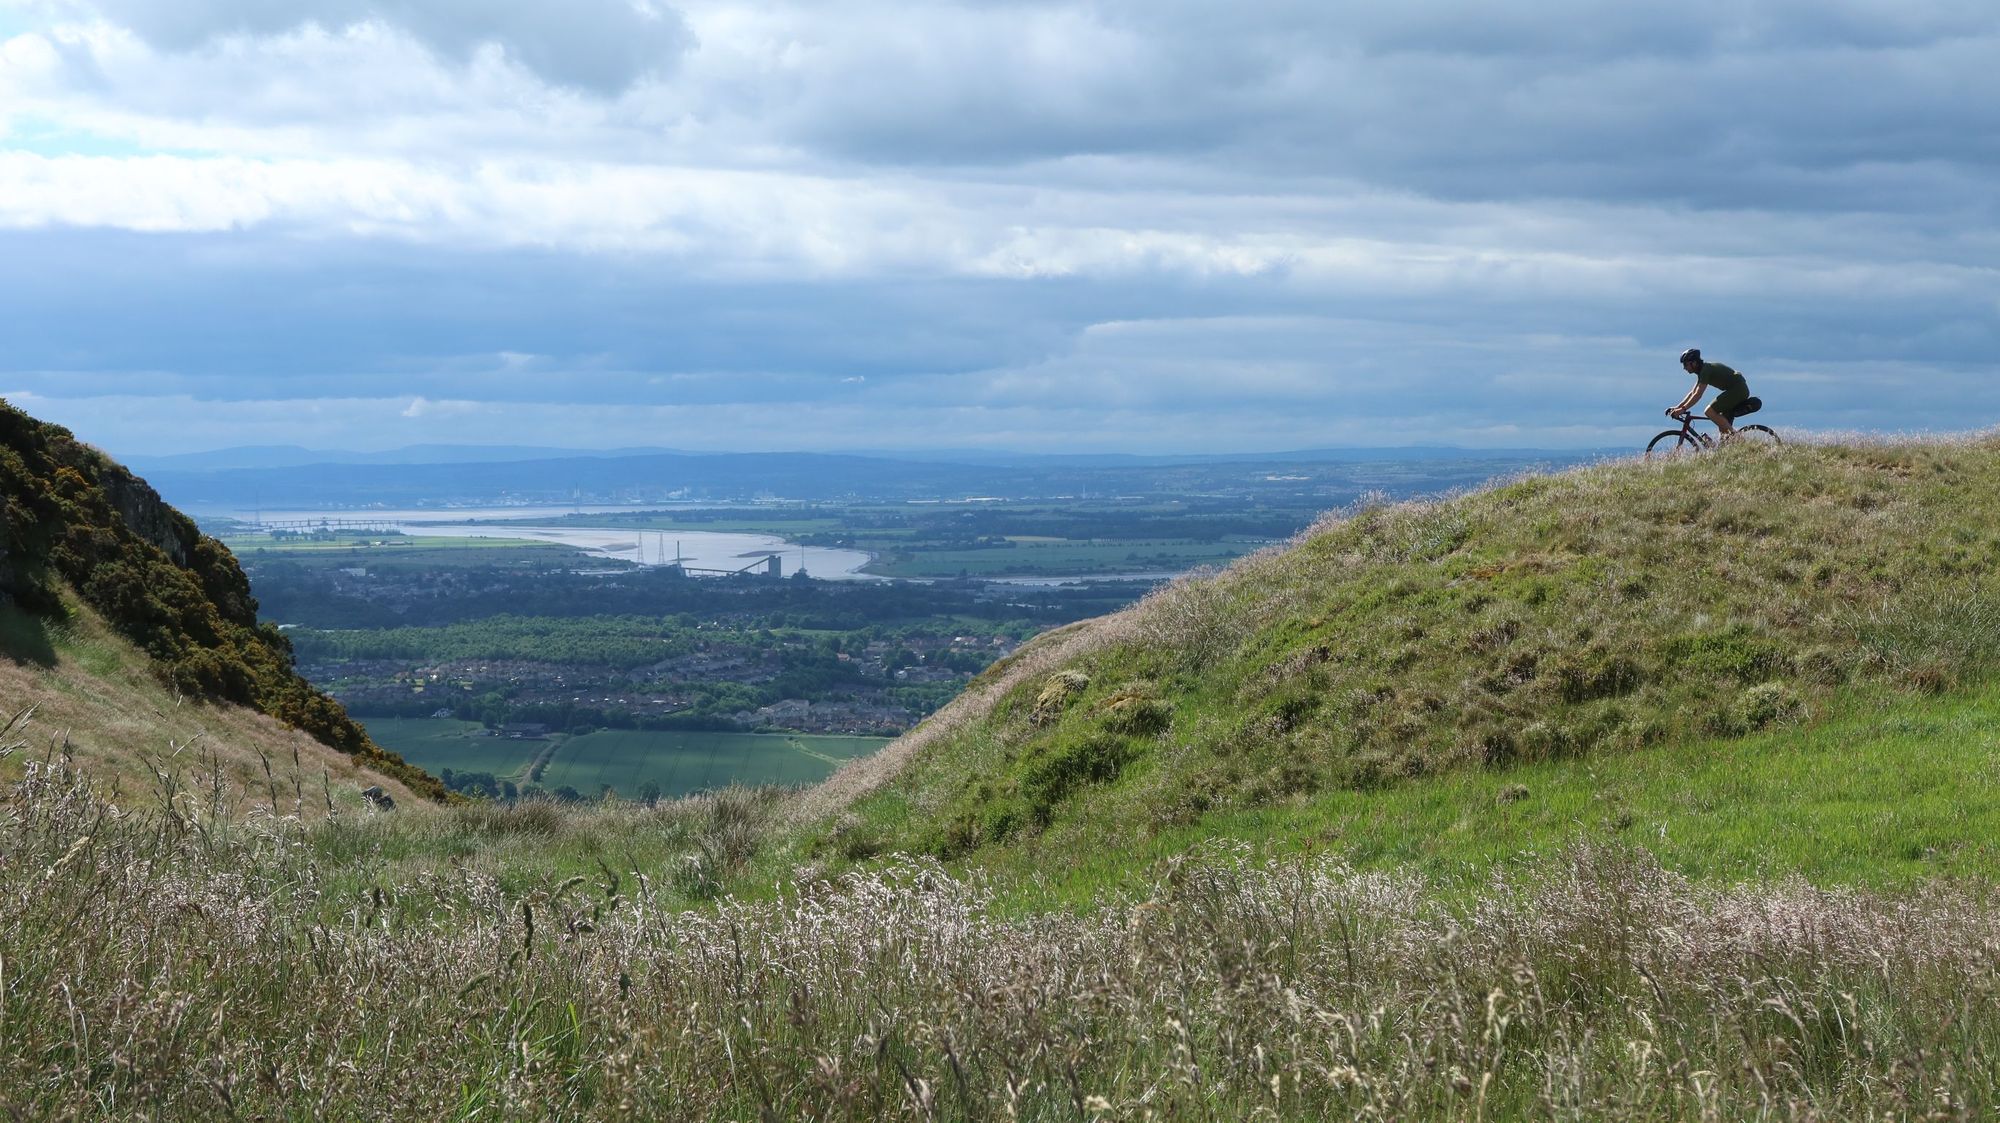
<point>1687,438</point>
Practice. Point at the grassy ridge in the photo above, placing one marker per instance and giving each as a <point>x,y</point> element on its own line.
<point>1598,612</point>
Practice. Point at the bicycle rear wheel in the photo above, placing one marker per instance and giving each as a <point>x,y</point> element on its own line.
<point>1673,442</point>
<point>1757,435</point>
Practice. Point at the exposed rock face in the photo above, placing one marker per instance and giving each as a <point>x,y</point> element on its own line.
<point>148,516</point>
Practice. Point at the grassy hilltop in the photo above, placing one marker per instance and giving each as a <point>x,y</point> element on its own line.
<point>1592,622</point>
<point>1643,791</point>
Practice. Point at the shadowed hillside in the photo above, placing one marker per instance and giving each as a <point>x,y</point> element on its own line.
<point>74,524</point>
<point>1569,617</point>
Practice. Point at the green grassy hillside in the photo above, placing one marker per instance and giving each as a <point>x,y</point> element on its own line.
<point>78,692</point>
<point>74,526</point>
<point>1644,792</point>
<point>1599,632</point>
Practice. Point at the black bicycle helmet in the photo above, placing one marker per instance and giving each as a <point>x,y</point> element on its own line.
<point>1691,355</point>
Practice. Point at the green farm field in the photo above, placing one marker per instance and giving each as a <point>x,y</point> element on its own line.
<point>680,762</point>
<point>684,763</point>
<point>435,744</point>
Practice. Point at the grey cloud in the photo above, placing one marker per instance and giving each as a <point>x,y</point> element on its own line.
<point>1550,201</point>
<point>1708,103</point>
<point>265,309</point>
<point>1782,105</point>
<point>1552,29</point>
<point>601,46</point>
<point>257,315</point>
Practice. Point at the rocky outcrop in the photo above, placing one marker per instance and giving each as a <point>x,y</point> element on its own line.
<point>74,524</point>
<point>148,516</point>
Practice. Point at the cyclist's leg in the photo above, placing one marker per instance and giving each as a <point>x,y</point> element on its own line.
<point>1721,409</point>
<point>1727,428</point>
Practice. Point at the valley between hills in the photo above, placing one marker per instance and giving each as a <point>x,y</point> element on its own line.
<point>1635,791</point>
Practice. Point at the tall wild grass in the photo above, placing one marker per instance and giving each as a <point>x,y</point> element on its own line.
<point>160,966</point>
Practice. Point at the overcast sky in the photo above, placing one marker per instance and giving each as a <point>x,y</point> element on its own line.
<point>1129,225</point>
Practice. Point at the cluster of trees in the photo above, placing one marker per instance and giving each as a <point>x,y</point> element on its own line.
<point>481,785</point>
<point>597,656</point>
<point>485,785</point>
<point>602,641</point>
<point>315,594</point>
<point>710,704</point>
<point>601,633</point>
<point>1200,518</point>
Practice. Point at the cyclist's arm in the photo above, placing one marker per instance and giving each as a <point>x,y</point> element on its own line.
<point>1693,396</point>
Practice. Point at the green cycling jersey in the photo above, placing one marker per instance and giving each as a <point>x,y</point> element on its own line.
<point>1724,379</point>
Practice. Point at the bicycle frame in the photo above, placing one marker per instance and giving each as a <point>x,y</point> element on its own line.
<point>1688,430</point>
<point>1688,435</point>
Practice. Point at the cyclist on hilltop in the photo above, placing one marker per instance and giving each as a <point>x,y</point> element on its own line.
<point>1734,392</point>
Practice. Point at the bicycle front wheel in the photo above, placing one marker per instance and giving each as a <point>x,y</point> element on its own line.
<point>1673,442</point>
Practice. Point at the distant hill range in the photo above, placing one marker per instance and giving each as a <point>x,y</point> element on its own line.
<point>241,479</point>
<point>113,607</point>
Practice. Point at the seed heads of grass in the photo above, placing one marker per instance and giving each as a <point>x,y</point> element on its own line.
<point>183,979</point>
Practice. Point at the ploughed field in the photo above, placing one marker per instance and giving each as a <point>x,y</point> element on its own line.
<point>680,762</point>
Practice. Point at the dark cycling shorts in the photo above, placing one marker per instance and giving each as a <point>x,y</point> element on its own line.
<point>1727,402</point>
